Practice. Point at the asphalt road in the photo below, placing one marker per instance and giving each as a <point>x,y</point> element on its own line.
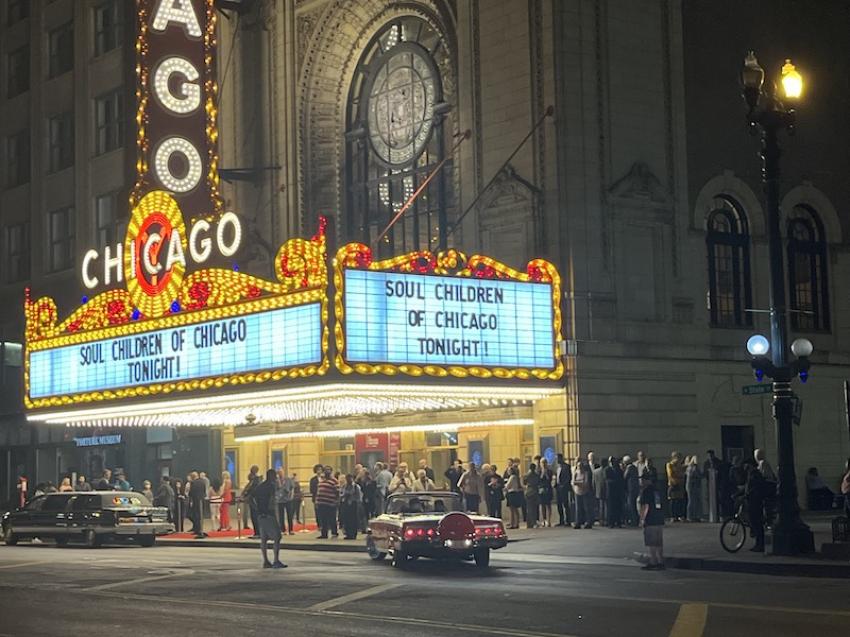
<point>187,591</point>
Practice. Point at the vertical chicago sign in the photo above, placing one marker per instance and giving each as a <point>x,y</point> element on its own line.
<point>177,104</point>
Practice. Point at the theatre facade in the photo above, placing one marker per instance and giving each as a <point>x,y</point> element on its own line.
<point>362,229</point>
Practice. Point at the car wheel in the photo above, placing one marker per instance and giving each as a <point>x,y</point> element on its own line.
<point>91,540</point>
<point>399,559</point>
<point>10,538</point>
<point>482,558</point>
<point>147,540</point>
<point>61,541</point>
<point>372,549</point>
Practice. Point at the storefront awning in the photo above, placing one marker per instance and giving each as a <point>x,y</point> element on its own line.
<point>299,405</point>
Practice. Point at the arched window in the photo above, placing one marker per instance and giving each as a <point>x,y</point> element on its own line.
<point>728,243</point>
<point>807,280</point>
<point>398,130</point>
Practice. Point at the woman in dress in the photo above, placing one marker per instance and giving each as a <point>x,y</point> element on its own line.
<point>547,476</point>
<point>66,485</point>
<point>513,486</point>
<point>693,486</point>
<point>216,499</point>
<point>226,500</point>
<point>532,496</point>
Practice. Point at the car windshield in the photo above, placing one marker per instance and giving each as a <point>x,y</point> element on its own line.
<point>422,503</point>
<point>125,500</point>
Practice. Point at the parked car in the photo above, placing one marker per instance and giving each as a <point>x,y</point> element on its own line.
<point>432,524</point>
<point>91,517</point>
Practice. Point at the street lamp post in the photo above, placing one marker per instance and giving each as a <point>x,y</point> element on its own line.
<point>768,115</point>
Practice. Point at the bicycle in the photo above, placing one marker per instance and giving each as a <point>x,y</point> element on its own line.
<point>733,531</point>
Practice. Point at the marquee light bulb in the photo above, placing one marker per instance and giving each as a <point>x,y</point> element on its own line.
<point>162,157</point>
<point>191,98</point>
<point>178,11</point>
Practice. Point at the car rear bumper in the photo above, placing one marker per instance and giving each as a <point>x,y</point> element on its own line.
<point>130,530</point>
<point>439,548</point>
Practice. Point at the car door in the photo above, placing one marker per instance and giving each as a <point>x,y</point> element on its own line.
<point>25,520</point>
<point>80,510</point>
<point>52,519</point>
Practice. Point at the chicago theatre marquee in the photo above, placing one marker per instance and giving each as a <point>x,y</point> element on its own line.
<point>341,357</point>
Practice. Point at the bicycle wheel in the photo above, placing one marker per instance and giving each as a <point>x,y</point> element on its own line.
<point>733,535</point>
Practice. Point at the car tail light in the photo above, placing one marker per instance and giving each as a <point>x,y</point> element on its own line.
<point>417,533</point>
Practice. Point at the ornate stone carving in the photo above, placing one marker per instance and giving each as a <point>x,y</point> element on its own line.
<point>641,184</point>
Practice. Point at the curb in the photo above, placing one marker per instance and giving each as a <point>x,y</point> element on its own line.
<point>330,547</point>
<point>806,569</point>
<point>255,544</point>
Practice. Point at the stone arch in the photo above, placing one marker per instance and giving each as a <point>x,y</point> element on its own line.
<point>341,34</point>
<point>728,184</point>
<point>807,194</point>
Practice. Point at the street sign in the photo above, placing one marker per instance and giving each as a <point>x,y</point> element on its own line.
<point>752,390</point>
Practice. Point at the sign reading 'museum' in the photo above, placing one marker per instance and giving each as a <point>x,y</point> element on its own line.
<point>268,340</point>
<point>437,320</point>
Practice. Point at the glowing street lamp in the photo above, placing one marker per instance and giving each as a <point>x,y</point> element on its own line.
<point>768,116</point>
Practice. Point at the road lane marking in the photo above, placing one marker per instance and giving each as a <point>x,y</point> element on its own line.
<point>140,580</point>
<point>288,610</point>
<point>352,597</point>
<point>690,622</point>
<point>24,564</point>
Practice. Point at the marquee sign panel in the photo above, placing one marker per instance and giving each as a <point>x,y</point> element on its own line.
<point>212,328</point>
<point>446,315</point>
<point>274,339</point>
<point>437,320</point>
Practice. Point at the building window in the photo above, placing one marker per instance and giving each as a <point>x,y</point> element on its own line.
<point>111,227</point>
<point>109,122</point>
<point>397,133</point>
<point>807,276</point>
<point>61,54</point>
<point>61,231</point>
<point>728,243</point>
<point>61,151</point>
<point>108,26</point>
<point>18,158</point>
<point>18,69</point>
<point>17,10</point>
<point>16,264</point>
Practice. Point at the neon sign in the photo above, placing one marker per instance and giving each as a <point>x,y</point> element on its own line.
<point>177,104</point>
<point>177,333</point>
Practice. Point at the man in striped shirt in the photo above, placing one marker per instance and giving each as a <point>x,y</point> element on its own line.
<point>327,501</point>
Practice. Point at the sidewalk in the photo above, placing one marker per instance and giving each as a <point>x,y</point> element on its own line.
<point>686,546</point>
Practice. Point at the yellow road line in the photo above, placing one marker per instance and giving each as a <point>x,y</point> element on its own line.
<point>690,622</point>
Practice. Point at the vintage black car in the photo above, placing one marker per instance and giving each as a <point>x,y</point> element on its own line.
<point>91,517</point>
<point>433,524</point>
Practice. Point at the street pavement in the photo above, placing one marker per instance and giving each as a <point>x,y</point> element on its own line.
<point>531,589</point>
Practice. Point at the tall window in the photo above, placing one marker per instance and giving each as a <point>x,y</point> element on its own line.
<point>108,25</point>
<point>61,53</point>
<point>18,71</point>
<point>61,150</point>
<point>18,158</point>
<point>728,243</point>
<point>109,121</point>
<point>111,227</point>
<point>807,277</point>
<point>16,264</point>
<point>61,233</point>
<point>17,10</point>
<point>397,133</point>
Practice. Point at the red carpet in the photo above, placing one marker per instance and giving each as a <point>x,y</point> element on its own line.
<point>299,529</point>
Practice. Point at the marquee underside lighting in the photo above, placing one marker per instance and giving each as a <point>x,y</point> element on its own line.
<point>317,403</point>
